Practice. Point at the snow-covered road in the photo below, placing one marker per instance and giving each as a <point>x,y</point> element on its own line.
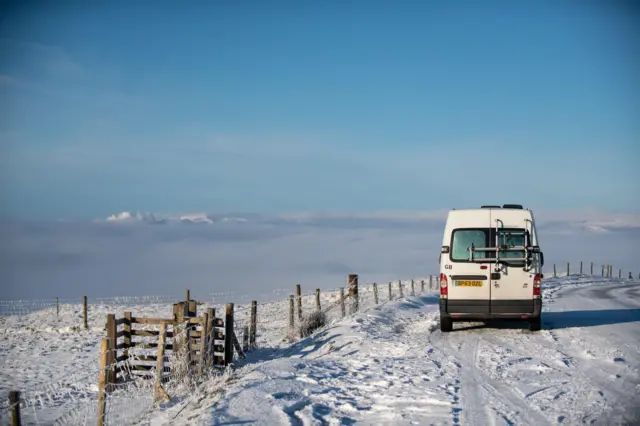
<point>392,365</point>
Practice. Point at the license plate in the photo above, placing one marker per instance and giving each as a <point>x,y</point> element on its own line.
<point>467,283</point>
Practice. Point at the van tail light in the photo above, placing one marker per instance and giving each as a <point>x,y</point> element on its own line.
<point>444,290</point>
<point>536,286</point>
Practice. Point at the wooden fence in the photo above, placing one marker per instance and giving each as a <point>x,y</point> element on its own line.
<point>607,271</point>
<point>203,342</point>
<point>353,294</point>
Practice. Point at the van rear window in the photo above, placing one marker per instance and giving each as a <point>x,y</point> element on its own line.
<point>462,239</point>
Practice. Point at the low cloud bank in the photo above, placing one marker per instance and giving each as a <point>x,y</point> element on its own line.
<point>265,256</point>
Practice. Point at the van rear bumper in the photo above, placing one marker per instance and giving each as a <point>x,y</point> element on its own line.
<point>485,309</point>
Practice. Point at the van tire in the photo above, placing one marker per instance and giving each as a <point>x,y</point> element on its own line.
<point>535,324</point>
<point>446,324</point>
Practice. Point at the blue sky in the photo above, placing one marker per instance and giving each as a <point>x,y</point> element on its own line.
<point>330,106</point>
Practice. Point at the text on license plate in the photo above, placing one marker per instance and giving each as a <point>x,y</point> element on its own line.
<point>468,283</point>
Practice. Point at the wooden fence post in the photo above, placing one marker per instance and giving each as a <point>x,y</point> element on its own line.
<point>353,292</point>
<point>390,293</point>
<point>413,290</point>
<point>127,333</point>
<point>236,345</point>
<point>193,309</point>
<point>603,270</point>
<point>554,270</point>
<point>581,267</point>
<point>179,314</point>
<point>254,324</point>
<point>431,282</point>
<point>188,297</point>
<point>127,328</point>
<point>228,334</point>
<point>299,300</point>
<point>112,334</point>
<point>291,312</point>
<point>342,310</point>
<point>318,299</point>
<point>568,269</point>
<point>85,320</point>
<point>211,315</point>
<point>375,293</point>
<point>591,269</point>
<point>158,391</point>
<point>14,406</point>
<point>400,289</point>
<point>205,334</point>
<point>102,381</point>
<point>619,273</point>
<point>186,341</point>
<point>57,307</point>
<point>421,286</point>
<point>245,338</point>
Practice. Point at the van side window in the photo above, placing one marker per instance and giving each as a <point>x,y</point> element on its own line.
<point>464,238</point>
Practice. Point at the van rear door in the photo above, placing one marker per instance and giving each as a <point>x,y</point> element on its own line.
<point>469,285</point>
<point>511,284</point>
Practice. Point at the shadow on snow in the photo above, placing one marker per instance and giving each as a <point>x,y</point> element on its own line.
<point>564,319</point>
<point>594,318</point>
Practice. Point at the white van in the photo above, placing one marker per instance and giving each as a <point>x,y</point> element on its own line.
<point>490,266</point>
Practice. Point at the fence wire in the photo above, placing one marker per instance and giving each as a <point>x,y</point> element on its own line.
<point>52,311</point>
<point>273,320</point>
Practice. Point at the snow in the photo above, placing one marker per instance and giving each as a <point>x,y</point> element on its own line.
<point>392,365</point>
<point>388,364</point>
<point>54,361</point>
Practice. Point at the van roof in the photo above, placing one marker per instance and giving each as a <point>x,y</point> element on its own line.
<point>481,217</point>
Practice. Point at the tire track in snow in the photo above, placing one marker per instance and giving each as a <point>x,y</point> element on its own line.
<point>484,400</point>
<point>549,378</point>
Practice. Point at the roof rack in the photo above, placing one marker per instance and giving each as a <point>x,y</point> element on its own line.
<point>490,207</point>
<point>512,206</point>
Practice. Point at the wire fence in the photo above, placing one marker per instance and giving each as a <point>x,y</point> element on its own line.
<point>277,323</point>
<point>73,398</point>
<point>58,308</point>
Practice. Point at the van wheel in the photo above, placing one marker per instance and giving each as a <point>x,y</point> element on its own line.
<point>535,324</point>
<point>446,324</point>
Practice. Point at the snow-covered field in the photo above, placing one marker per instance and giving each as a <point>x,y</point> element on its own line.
<point>392,365</point>
<point>54,361</point>
<point>389,364</point>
